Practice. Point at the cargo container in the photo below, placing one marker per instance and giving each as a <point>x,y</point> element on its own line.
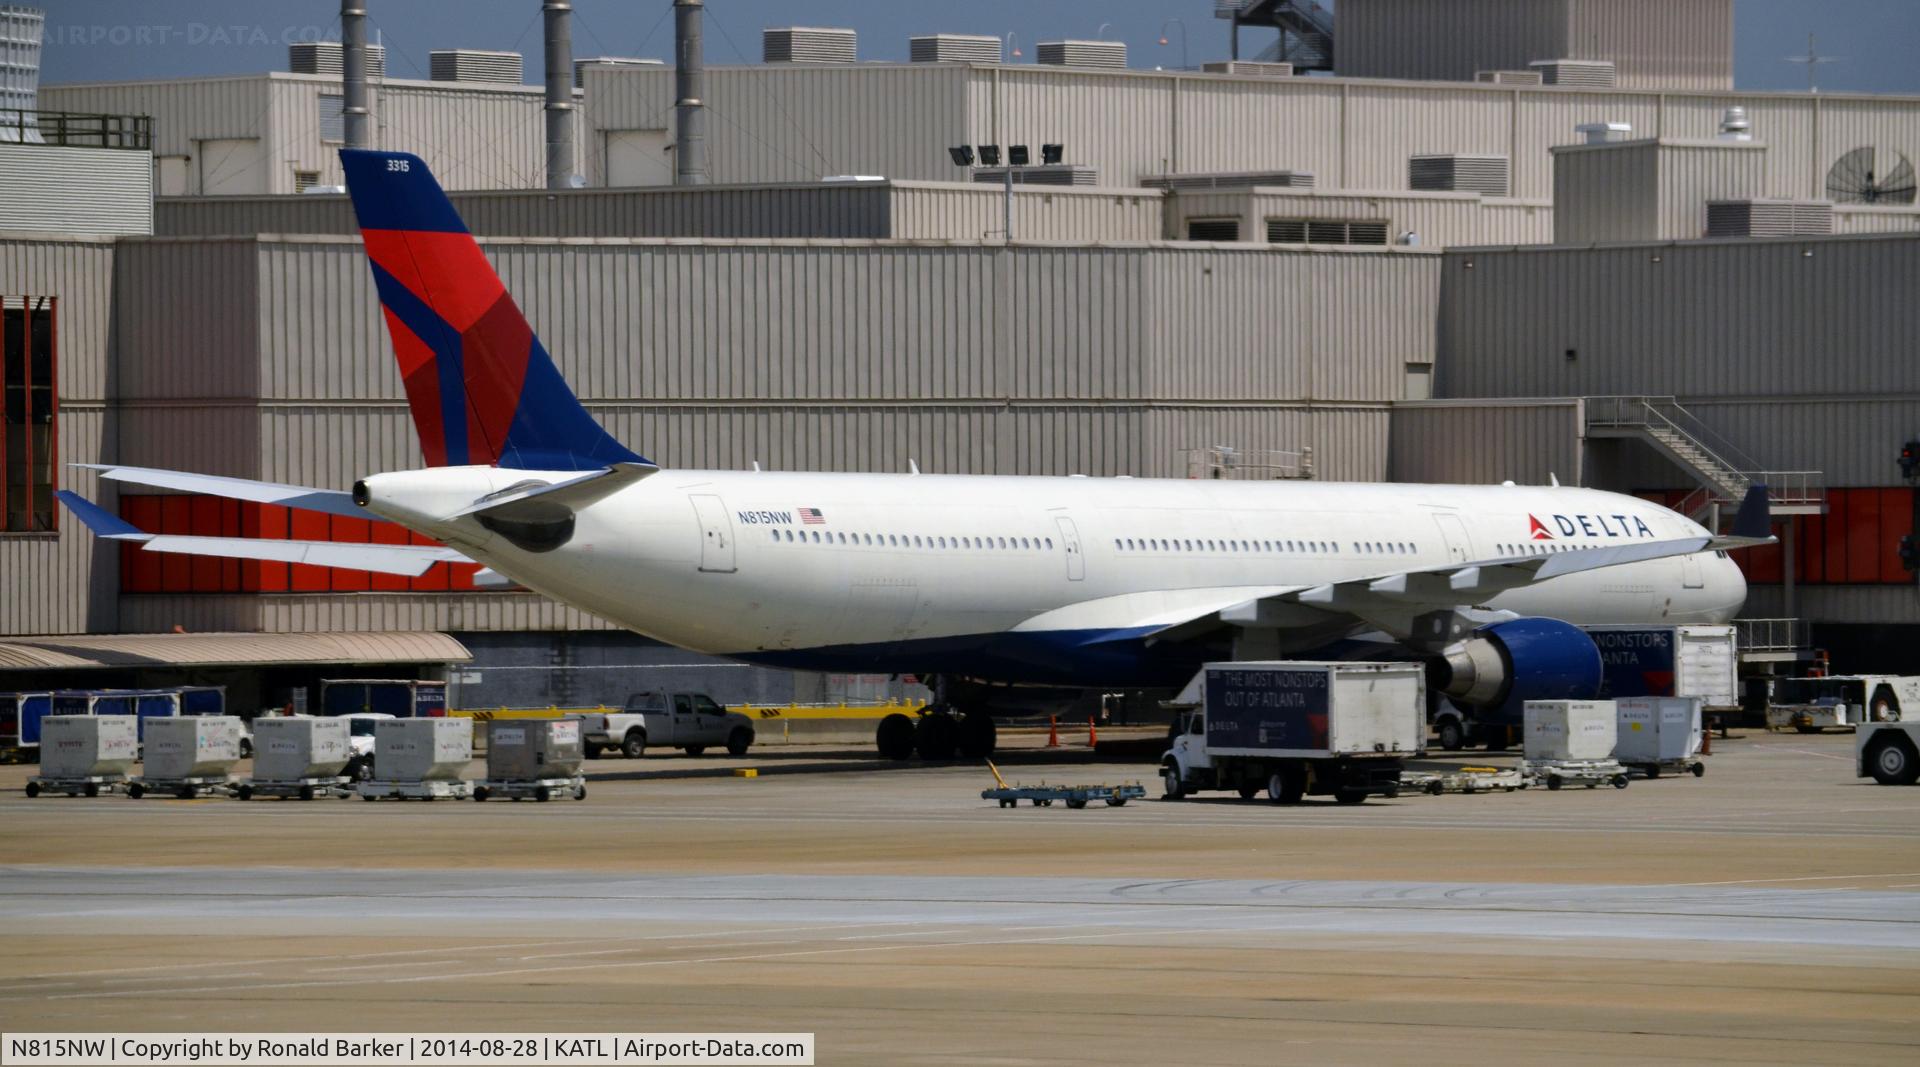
<point>20,718</point>
<point>1297,729</point>
<point>421,750</point>
<point>87,746</point>
<point>528,749</point>
<point>1570,730</point>
<point>291,749</point>
<point>1669,661</point>
<point>1656,734</point>
<point>94,702</point>
<point>190,747</point>
<point>402,698</point>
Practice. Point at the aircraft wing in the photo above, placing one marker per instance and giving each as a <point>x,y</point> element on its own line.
<point>331,501</point>
<point>408,560</point>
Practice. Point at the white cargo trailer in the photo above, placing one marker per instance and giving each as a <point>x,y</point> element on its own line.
<point>1657,734</point>
<point>1297,729</point>
<point>1572,741</point>
<point>299,756</point>
<point>424,758</point>
<point>84,754</point>
<point>188,755</point>
<point>1669,661</point>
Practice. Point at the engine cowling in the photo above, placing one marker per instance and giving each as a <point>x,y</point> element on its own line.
<point>1508,663</point>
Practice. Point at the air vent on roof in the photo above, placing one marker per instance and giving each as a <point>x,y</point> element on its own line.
<point>1295,231</point>
<point>1585,73</point>
<point>323,57</point>
<point>1241,66</point>
<point>474,65</point>
<point>953,48</point>
<point>1057,174</point>
<point>580,65</point>
<point>1768,218</point>
<point>1240,179</point>
<point>1486,175</point>
<point>1604,132</point>
<point>1509,77</point>
<point>808,44</point>
<point>1102,54</point>
<point>1213,229</point>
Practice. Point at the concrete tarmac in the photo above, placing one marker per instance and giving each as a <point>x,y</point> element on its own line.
<point>1766,913</point>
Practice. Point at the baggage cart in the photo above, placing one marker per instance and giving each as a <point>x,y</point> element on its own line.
<point>1658,735</point>
<point>336,787</point>
<point>1555,774</point>
<point>1468,780</point>
<point>427,789</point>
<point>540,789</point>
<point>91,785</point>
<point>1074,796</point>
<point>84,755</point>
<point>184,788</point>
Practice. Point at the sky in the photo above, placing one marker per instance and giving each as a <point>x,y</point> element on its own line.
<point>1872,42</point>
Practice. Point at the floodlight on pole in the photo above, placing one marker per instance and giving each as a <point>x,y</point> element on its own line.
<point>1013,44</point>
<point>962,155</point>
<point>1052,154</point>
<point>1183,39</point>
<point>1017,155</point>
<point>989,155</point>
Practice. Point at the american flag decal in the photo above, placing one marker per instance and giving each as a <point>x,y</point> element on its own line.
<point>811,516</point>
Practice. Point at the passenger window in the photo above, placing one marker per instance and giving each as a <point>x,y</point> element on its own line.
<point>1049,544</point>
<point>682,703</point>
<point>1197,724</point>
<point>776,535</point>
<point>705,705</point>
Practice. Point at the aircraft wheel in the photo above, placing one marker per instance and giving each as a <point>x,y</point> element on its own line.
<point>1452,736</point>
<point>934,736</point>
<point>894,737</point>
<point>977,736</point>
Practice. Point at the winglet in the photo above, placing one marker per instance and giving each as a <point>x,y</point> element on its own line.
<point>102,522</point>
<point>1755,518</point>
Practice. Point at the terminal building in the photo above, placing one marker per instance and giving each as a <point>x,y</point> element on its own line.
<point>1553,251</point>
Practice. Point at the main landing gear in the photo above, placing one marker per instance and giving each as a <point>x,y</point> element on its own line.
<point>940,733</point>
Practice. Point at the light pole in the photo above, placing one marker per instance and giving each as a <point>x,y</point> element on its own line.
<point>1018,155</point>
<point>1183,38</point>
<point>1013,44</point>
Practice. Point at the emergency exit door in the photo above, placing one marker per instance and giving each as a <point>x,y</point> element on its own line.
<point>1453,533</point>
<point>1070,538</point>
<point>716,534</point>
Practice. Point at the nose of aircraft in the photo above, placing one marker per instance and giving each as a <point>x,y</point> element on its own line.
<point>1728,584</point>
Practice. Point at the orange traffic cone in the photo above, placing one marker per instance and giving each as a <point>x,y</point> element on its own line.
<point>1053,731</point>
<point>1093,734</point>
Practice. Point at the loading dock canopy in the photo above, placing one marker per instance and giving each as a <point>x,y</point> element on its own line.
<point>101,651</point>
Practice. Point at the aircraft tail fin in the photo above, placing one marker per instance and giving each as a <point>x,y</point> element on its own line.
<point>481,386</point>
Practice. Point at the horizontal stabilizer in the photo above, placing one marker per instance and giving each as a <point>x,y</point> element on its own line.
<point>330,501</point>
<point>575,492</point>
<point>102,522</point>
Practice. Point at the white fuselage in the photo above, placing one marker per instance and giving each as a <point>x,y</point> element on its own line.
<point>743,563</point>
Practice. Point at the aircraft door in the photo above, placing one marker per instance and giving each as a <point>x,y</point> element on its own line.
<point>716,534</point>
<point>1691,575</point>
<point>1070,538</point>
<point>1453,533</point>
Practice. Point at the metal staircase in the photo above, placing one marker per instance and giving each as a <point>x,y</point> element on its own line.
<point>1723,471</point>
<point>1306,30</point>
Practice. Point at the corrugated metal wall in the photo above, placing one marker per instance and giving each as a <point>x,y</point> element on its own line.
<point>64,190</point>
<point>62,582</point>
<point>1676,44</point>
<point>1606,194</point>
<point>1441,219</point>
<point>952,211</point>
<point>1483,442</point>
<point>284,613</point>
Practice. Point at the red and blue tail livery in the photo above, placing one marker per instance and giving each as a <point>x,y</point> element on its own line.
<point>482,388</point>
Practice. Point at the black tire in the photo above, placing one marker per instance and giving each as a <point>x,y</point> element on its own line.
<point>696,750</point>
<point>739,741</point>
<point>185,792</point>
<point>245,792</point>
<point>360,769</point>
<point>481,793</point>
<point>1435,788</point>
<point>1453,737</point>
<point>136,791</point>
<point>1350,796</point>
<point>894,737</point>
<point>542,794</point>
<point>306,792</point>
<point>1171,785</point>
<point>1554,782</point>
<point>1892,763</point>
<point>590,751</point>
<point>246,748</point>
<point>1248,792</point>
<point>579,792</point>
<point>33,790</point>
<point>1076,803</point>
<point>368,797</point>
<point>976,736</point>
<point>1288,785</point>
<point>634,745</point>
<point>1699,770</point>
<point>1619,781</point>
<point>934,736</point>
<point>1805,728</point>
<point>1651,770</point>
<point>1116,802</point>
<point>1006,803</point>
<point>93,789</point>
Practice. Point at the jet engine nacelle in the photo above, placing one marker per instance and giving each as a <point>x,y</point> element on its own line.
<point>1508,663</point>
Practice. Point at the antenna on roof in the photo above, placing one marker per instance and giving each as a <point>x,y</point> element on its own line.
<point>1812,59</point>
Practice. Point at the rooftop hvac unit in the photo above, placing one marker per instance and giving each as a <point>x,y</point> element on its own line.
<point>953,48</point>
<point>1604,132</point>
<point>580,66</point>
<point>1240,179</point>
<point>1768,218</point>
<point>1581,73</point>
<point>1510,77</point>
<point>1057,174</point>
<point>1486,175</point>
<point>21,30</point>
<point>1241,66</point>
<point>474,65</point>
<point>323,57</point>
<point>808,44</point>
<point>1107,55</point>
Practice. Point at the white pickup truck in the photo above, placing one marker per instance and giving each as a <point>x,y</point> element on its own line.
<point>693,722</point>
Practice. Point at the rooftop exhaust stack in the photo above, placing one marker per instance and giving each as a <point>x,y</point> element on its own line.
<point>353,73</point>
<point>1734,125</point>
<point>560,107</point>
<point>689,85</point>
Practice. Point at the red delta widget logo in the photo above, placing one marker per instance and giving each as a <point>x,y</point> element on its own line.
<point>1589,526</point>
